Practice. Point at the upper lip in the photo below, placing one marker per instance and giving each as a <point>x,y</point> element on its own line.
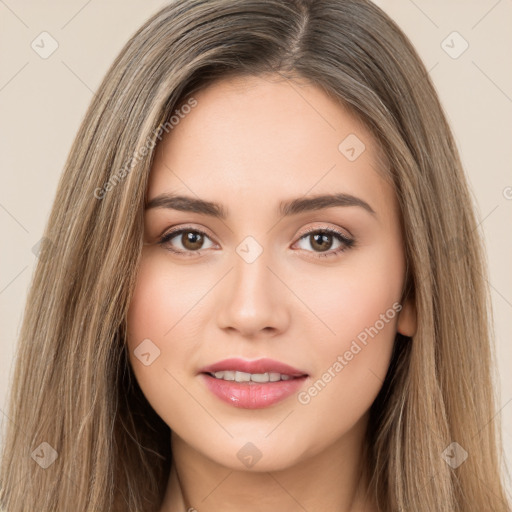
<point>264,365</point>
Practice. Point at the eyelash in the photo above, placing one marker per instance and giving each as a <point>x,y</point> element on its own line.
<point>347,242</point>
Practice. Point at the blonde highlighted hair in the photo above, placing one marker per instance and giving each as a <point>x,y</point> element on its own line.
<point>73,386</point>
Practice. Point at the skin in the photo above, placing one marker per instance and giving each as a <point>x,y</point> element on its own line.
<point>250,139</point>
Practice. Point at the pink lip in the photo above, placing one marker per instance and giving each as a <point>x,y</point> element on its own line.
<point>259,366</point>
<point>252,395</point>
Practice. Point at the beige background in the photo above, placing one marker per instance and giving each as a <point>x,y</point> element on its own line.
<point>42,102</point>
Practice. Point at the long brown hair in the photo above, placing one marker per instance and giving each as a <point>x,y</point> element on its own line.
<point>81,435</point>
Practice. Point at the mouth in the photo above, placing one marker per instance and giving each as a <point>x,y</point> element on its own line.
<point>251,378</point>
<point>252,384</point>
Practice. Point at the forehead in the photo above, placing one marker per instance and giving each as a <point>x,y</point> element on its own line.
<point>253,138</point>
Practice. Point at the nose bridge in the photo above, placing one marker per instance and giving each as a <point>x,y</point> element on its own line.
<point>252,300</point>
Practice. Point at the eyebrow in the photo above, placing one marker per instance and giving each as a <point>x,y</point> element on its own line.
<point>286,208</point>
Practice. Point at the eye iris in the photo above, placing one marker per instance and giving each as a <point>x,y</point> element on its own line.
<point>322,241</point>
<point>192,240</point>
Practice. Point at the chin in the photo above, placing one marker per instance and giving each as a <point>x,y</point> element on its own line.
<point>241,454</point>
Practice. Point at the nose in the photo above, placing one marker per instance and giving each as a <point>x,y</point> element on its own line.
<point>254,301</point>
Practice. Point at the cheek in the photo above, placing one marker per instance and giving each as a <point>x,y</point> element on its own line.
<point>360,293</point>
<point>164,299</point>
<point>159,333</point>
<point>359,304</point>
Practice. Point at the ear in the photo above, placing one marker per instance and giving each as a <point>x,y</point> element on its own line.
<point>407,321</point>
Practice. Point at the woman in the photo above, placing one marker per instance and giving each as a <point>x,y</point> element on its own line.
<point>188,346</point>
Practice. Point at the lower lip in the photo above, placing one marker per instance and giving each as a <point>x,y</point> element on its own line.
<point>252,395</point>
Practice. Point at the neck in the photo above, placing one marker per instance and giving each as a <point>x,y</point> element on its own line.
<point>329,481</point>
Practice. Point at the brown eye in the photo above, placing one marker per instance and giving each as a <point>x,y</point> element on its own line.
<point>188,241</point>
<point>192,240</point>
<point>322,240</point>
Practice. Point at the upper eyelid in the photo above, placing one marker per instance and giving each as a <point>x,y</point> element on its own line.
<point>172,232</point>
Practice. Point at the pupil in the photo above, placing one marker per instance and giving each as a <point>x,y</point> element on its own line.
<point>322,241</point>
<point>192,240</point>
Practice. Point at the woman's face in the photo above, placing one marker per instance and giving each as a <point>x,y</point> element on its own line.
<point>270,271</point>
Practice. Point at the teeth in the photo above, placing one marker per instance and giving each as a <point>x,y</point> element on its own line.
<point>252,377</point>
<point>225,375</point>
<point>242,377</point>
